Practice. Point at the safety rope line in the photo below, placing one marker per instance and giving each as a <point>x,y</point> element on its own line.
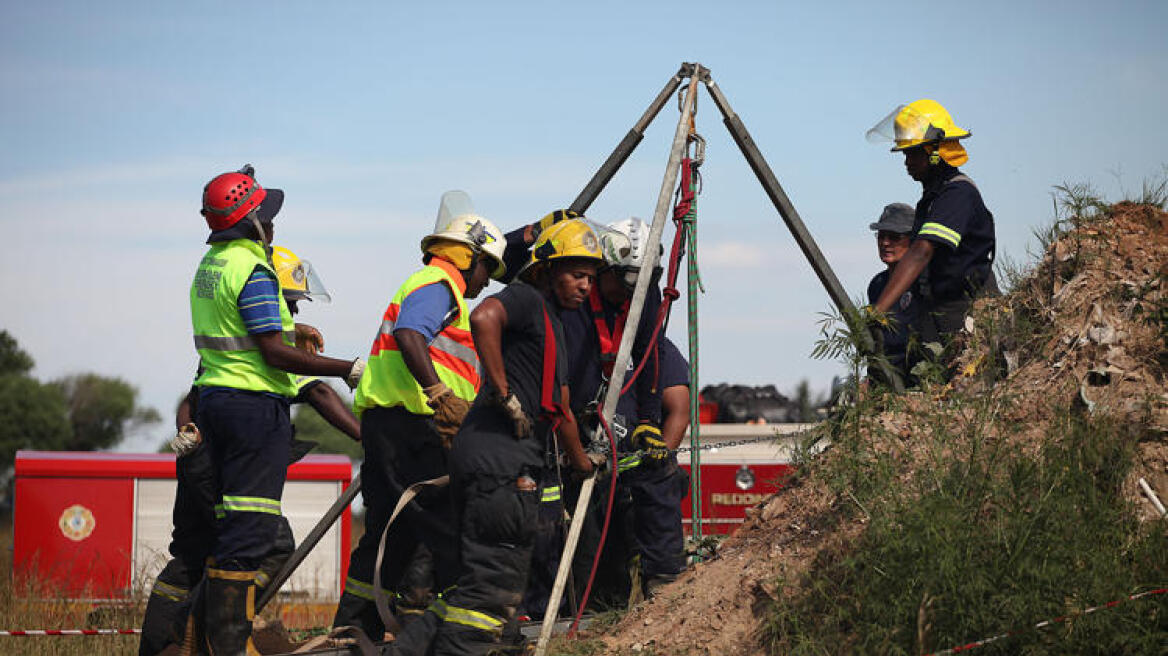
<point>985,641</point>
<point>603,531</point>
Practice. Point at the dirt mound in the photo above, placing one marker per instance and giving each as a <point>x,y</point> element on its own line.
<point>1085,327</point>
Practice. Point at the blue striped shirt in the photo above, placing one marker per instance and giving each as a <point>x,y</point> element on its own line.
<point>259,303</point>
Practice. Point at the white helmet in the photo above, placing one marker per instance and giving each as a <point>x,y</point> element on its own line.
<point>636,232</point>
<point>458,222</point>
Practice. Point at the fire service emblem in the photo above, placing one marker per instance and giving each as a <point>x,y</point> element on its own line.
<point>77,523</point>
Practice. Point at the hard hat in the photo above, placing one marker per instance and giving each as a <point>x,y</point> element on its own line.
<point>917,123</point>
<point>298,280</point>
<point>229,197</point>
<point>637,232</point>
<point>573,238</point>
<point>458,222</point>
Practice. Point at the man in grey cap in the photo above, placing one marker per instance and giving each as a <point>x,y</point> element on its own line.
<point>894,233</point>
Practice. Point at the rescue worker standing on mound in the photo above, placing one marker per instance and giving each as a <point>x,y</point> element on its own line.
<point>245,338</point>
<point>952,251</point>
<point>423,374</point>
<point>499,454</point>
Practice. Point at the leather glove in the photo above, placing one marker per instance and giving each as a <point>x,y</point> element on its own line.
<point>647,438</point>
<point>309,339</point>
<point>187,439</point>
<point>514,409</point>
<point>449,411</point>
<point>550,220</point>
<point>353,378</point>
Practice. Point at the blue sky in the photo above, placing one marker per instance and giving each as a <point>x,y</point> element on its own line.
<point>113,115</point>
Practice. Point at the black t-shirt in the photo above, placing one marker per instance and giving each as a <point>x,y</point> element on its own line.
<point>903,313</point>
<point>952,215</point>
<point>673,371</point>
<point>486,442</point>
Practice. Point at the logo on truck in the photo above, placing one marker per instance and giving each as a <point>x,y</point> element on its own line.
<point>77,523</point>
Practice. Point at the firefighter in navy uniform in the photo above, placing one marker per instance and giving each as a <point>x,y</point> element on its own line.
<point>245,336</point>
<point>423,374</point>
<point>194,504</point>
<point>499,454</point>
<point>951,255</point>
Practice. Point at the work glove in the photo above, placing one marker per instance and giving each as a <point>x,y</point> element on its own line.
<point>353,378</point>
<point>187,439</point>
<point>550,220</point>
<point>514,409</point>
<point>449,411</point>
<point>647,438</point>
<point>309,339</point>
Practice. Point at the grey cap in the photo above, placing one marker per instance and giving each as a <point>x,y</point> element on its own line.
<point>897,217</point>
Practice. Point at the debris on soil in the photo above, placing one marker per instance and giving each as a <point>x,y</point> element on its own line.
<point>1086,328</point>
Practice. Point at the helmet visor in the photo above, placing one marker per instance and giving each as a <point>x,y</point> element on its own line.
<point>307,285</point>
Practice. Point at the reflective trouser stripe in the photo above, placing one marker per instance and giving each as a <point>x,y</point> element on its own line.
<point>358,589</point>
<point>550,494</point>
<point>251,504</point>
<point>230,575</point>
<point>628,462</point>
<point>467,617</point>
<point>168,591</point>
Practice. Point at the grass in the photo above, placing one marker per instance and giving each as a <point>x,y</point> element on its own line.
<point>974,523</point>
<point>27,605</point>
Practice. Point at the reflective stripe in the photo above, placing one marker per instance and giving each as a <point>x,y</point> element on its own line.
<point>358,588</point>
<point>460,351</point>
<point>937,230</point>
<point>230,575</point>
<point>168,591</point>
<point>220,513</point>
<point>438,607</point>
<point>472,618</point>
<point>550,494</point>
<point>628,462</point>
<point>247,343</point>
<point>225,343</point>
<point>251,504</point>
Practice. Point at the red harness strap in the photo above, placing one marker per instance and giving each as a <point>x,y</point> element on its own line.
<point>609,341</point>
<point>552,411</point>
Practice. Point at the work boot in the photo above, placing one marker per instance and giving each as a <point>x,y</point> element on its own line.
<point>228,611</point>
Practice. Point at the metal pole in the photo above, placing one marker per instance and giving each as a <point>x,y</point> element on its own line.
<point>612,394</point>
<point>625,148</point>
<point>310,541</point>
<point>794,223</point>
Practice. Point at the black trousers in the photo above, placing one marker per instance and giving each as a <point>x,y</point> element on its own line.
<point>191,543</point>
<point>401,448</point>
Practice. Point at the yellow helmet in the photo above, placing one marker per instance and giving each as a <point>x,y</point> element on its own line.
<point>921,122</point>
<point>298,280</point>
<point>573,238</point>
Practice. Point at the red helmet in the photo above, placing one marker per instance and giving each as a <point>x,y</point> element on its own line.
<point>229,197</point>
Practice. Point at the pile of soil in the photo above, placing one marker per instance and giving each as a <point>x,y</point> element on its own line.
<point>1086,326</point>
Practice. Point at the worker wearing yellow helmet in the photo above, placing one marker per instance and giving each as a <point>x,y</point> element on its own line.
<point>952,252</point>
<point>497,461</point>
<point>423,373</point>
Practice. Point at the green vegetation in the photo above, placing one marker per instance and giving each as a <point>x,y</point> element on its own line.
<point>83,412</point>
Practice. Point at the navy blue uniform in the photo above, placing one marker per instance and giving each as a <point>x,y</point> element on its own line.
<point>952,215</point>
<point>895,338</point>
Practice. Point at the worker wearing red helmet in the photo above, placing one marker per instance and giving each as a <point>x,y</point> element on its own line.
<point>952,252</point>
<point>245,336</point>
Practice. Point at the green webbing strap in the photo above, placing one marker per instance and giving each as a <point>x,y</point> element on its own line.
<point>694,279</point>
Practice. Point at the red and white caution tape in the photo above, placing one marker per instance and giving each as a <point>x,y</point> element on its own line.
<point>69,632</point>
<point>1057,620</point>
